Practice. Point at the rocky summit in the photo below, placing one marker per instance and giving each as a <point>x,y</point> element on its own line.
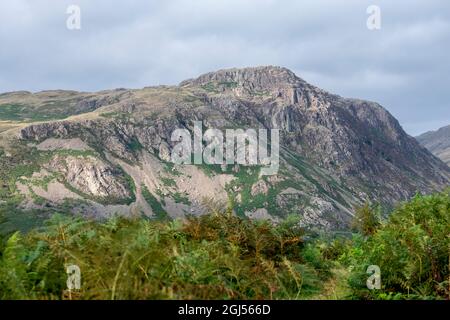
<point>106,153</point>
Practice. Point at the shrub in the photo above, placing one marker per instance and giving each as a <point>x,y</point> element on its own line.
<point>217,256</point>
<point>412,251</point>
<point>367,219</point>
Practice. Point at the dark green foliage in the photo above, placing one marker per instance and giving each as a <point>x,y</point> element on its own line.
<point>210,87</point>
<point>211,257</point>
<point>22,162</point>
<point>367,219</point>
<point>12,112</point>
<point>156,206</point>
<point>131,187</point>
<point>134,145</point>
<point>228,84</point>
<point>412,250</point>
<point>245,178</point>
<point>223,256</point>
<point>180,198</point>
<point>52,110</point>
<point>168,182</point>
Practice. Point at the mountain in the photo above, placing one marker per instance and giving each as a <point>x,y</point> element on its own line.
<point>438,142</point>
<point>106,153</point>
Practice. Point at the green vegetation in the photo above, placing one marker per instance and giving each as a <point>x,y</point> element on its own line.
<point>134,145</point>
<point>44,181</point>
<point>51,110</point>
<point>13,219</point>
<point>212,257</point>
<point>129,182</point>
<point>168,182</point>
<point>156,206</point>
<point>367,219</point>
<point>180,198</point>
<point>412,250</point>
<point>210,87</point>
<point>223,256</point>
<point>228,84</point>
<point>170,168</point>
<point>23,161</point>
<point>245,178</point>
<point>12,112</point>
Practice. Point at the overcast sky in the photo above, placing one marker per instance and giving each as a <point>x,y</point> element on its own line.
<point>405,65</point>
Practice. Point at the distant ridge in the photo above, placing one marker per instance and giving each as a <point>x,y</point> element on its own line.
<point>438,142</point>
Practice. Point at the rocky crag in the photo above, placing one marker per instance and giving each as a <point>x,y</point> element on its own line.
<point>110,151</point>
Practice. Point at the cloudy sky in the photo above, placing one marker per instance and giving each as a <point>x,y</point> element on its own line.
<point>405,65</point>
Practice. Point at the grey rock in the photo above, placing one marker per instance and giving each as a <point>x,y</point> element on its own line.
<point>437,142</point>
<point>338,152</point>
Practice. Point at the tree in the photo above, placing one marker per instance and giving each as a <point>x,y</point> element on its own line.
<point>367,219</point>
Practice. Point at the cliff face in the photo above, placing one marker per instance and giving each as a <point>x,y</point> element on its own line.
<point>437,142</point>
<point>335,152</point>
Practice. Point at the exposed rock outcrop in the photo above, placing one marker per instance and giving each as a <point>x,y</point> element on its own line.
<point>335,152</point>
<point>92,176</point>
